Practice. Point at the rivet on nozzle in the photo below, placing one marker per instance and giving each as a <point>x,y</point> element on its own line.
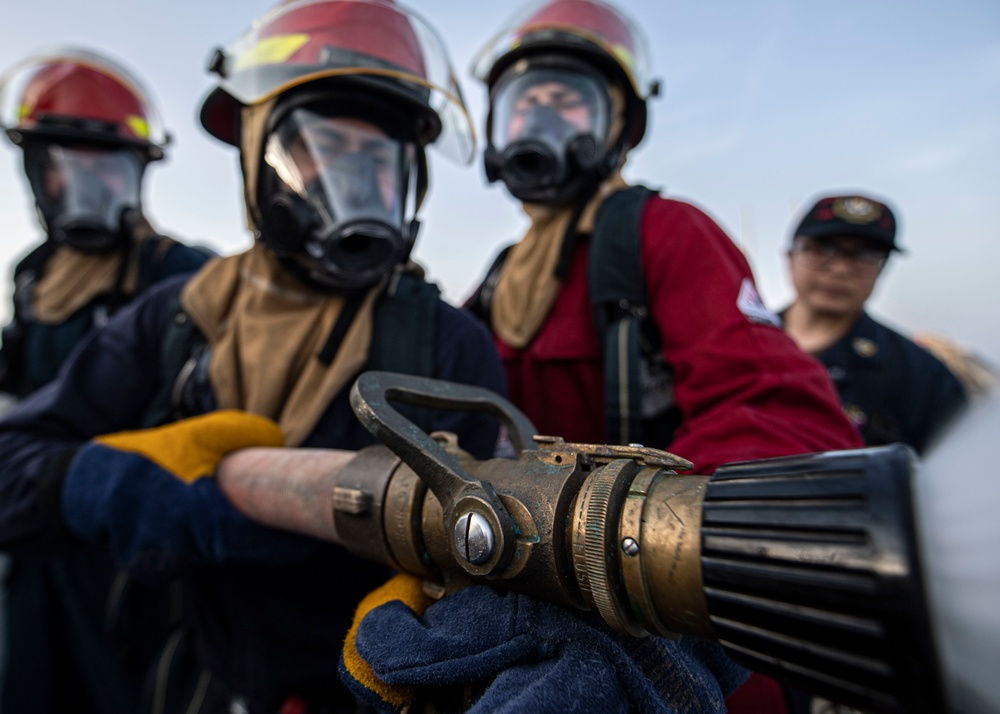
<point>474,538</point>
<point>630,547</point>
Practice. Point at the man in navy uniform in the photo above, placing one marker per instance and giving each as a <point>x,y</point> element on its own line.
<point>892,389</point>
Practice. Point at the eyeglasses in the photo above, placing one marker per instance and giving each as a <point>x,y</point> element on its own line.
<point>818,255</point>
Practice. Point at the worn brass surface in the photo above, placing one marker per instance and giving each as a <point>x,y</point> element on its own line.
<point>632,563</point>
<point>554,447</point>
<point>595,542</point>
<point>436,537</point>
<point>351,500</point>
<point>460,493</point>
<point>358,501</point>
<point>402,522</point>
<point>537,495</point>
<point>559,513</point>
<point>572,514</point>
<point>670,543</point>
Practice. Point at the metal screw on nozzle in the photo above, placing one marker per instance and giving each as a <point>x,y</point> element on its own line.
<point>474,538</point>
<point>630,547</point>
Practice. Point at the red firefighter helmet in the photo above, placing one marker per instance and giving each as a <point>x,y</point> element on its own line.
<point>589,29</point>
<point>376,43</point>
<point>76,95</point>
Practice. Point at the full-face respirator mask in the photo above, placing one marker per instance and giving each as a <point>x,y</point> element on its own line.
<point>549,131</point>
<point>87,197</point>
<point>336,197</point>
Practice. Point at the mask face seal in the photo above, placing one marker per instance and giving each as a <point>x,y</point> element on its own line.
<point>88,198</point>
<point>333,197</point>
<point>548,131</point>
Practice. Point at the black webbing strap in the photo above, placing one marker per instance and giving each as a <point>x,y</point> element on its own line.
<point>404,336</point>
<point>619,304</point>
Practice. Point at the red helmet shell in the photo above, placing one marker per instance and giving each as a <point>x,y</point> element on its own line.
<point>304,41</point>
<point>67,90</point>
<point>76,95</point>
<point>373,31</point>
<point>584,17</point>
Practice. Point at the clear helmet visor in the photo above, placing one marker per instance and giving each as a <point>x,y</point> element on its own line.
<point>344,186</point>
<point>87,196</point>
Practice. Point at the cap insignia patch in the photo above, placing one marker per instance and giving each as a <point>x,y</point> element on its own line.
<point>856,209</point>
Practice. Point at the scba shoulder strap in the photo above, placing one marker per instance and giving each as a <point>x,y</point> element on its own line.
<point>405,336</point>
<point>638,383</point>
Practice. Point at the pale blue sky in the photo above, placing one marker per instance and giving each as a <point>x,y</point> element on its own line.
<point>765,104</point>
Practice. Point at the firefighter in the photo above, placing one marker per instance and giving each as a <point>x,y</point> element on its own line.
<point>88,130</point>
<point>568,90</point>
<point>331,104</point>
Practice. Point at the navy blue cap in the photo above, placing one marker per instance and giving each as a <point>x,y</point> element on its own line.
<point>850,216</point>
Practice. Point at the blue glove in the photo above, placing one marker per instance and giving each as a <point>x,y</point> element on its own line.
<point>150,496</point>
<point>534,657</point>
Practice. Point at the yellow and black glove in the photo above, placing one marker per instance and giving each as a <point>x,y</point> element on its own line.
<point>355,669</point>
<point>192,448</point>
<point>150,496</point>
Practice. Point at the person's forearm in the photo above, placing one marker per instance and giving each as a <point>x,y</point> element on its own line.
<point>290,489</point>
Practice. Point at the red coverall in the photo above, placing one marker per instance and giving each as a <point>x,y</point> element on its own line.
<point>744,389</point>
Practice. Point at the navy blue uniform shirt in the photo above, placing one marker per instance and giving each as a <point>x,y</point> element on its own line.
<point>891,388</point>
